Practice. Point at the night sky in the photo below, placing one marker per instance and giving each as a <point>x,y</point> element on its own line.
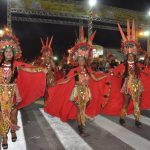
<point>65,36</point>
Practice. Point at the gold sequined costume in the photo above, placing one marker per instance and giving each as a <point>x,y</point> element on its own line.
<point>132,87</point>
<point>7,92</point>
<point>81,95</point>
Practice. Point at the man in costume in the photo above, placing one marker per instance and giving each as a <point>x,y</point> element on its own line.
<point>10,87</point>
<point>78,96</point>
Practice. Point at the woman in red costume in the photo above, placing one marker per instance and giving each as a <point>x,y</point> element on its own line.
<point>78,96</point>
<point>131,81</point>
<point>46,61</point>
<point>132,88</point>
<point>9,86</point>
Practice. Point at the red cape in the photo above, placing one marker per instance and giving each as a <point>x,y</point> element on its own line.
<point>59,104</point>
<point>116,98</point>
<point>31,85</point>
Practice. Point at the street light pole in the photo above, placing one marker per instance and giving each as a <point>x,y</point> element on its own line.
<point>90,23</point>
<point>92,3</point>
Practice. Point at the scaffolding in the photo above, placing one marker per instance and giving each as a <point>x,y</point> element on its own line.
<point>68,18</point>
<point>9,19</point>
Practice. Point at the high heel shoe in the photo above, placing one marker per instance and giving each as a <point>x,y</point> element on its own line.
<point>122,122</point>
<point>5,145</point>
<point>14,137</point>
<point>82,131</point>
<point>138,124</point>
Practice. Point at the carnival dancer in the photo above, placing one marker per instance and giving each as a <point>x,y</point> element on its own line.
<point>46,61</point>
<point>132,87</point>
<point>9,92</point>
<point>77,96</point>
<point>129,92</point>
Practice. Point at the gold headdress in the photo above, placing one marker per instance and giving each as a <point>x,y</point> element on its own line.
<point>82,48</point>
<point>9,40</point>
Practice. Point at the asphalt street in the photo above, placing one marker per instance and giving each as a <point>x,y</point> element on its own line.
<point>40,131</point>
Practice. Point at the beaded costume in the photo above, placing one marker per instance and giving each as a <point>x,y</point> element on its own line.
<point>80,97</point>
<point>132,85</point>
<point>8,87</point>
<point>16,86</point>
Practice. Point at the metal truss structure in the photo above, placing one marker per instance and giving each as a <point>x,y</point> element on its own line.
<point>70,23</point>
<point>9,20</point>
<point>65,18</point>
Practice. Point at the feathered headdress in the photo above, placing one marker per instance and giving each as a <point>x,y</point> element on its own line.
<point>129,43</point>
<point>10,40</point>
<point>47,46</point>
<point>82,48</point>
